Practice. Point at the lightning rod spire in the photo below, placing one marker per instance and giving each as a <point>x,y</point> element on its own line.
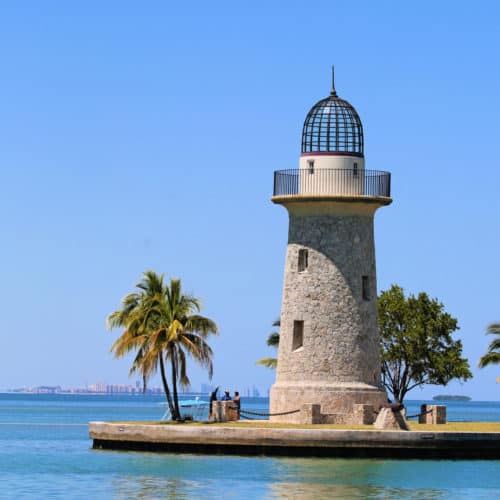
<point>333,92</point>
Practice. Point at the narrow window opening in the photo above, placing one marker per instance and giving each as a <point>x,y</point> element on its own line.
<point>310,164</point>
<point>355,170</point>
<point>298,334</point>
<point>303,259</point>
<point>366,288</point>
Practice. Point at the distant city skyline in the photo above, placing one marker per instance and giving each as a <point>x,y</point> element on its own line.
<point>103,388</point>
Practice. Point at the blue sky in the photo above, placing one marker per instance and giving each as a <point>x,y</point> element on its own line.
<point>145,135</point>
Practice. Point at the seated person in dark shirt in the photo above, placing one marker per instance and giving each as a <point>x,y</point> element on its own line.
<point>226,396</point>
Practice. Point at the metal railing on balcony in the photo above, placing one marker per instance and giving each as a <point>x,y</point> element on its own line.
<point>332,182</point>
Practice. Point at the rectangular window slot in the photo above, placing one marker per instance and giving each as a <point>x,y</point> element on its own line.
<point>366,288</point>
<point>298,335</point>
<point>310,164</point>
<point>303,258</point>
<point>355,170</point>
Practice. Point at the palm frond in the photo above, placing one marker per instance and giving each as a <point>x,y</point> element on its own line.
<point>493,329</point>
<point>199,350</point>
<point>127,342</point>
<point>201,325</point>
<point>274,339</point>
<point>494,345</point>
<point>271,363</point>
<point>151,283</point>
<point>118,318</point>
<point>490,358</point>
<point>182,372</point>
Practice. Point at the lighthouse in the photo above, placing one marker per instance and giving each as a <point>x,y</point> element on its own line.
<point>329,355</point>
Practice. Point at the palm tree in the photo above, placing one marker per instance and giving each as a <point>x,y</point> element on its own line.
<point>273,340</point>
<point>492,356</point>
<point>159,323</point>
<point>136,335</point>
<point>180,332</point>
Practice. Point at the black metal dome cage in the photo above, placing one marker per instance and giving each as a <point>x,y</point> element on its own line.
<point>332,126</point>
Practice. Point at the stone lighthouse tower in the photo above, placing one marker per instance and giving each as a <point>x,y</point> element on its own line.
<point>329,355</point>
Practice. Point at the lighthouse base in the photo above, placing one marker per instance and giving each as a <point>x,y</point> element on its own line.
<point>337,403</point>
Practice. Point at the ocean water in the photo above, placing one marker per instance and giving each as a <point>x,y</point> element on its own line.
<point>45,452</point>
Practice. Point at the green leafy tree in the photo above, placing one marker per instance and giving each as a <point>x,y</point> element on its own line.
<point>273,340</point>
<point>417,344</point>
<point>492,356</point>
<point>160,323</point>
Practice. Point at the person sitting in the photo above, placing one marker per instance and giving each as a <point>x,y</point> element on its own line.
<point>227,396</point>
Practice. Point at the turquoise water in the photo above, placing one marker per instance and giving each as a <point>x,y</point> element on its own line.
<point>45,452</point>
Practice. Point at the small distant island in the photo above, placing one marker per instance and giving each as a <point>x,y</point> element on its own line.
<point>443,397</point>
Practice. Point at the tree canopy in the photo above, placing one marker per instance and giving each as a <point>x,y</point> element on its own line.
<point>417,344</point>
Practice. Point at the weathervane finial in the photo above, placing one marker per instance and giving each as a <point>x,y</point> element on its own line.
<point>333,92</point>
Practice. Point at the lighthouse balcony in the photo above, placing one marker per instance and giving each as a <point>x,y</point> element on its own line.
<point>329,183</point>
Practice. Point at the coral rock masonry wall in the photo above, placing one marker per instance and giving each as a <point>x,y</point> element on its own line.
<point>338,364</point>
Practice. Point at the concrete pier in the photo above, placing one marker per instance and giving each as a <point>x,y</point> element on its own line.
<point>219,439</point>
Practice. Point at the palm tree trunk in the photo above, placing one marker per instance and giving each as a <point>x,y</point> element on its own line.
<point>166,388</point>
<point>174,385</point>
